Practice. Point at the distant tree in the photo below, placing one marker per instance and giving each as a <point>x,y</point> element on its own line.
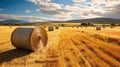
<point>103,25</point>
<point>88,24</point>
<point>113,24</point>
<point>84,24</point>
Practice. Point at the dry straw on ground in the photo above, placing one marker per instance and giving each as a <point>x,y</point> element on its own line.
<point>31,38</point>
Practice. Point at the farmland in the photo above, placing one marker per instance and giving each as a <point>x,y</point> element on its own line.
<point>66,47</point>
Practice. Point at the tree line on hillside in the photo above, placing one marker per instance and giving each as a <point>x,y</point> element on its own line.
<point>91,24</point>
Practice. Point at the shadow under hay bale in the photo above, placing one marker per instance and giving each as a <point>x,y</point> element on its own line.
<point>12,54</point>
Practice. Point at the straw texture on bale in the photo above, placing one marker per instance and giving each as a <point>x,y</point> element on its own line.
<point>31,38</point>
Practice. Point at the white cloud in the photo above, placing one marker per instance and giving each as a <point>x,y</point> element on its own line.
<point>28,18</point>
<point>28,11</point>
<point>81,9</point>
<point>47,7</point>
<point>113,12</point>
<point>1,9</point>
<point>78,0</point>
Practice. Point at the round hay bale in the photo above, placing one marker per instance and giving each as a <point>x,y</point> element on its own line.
<point>98,28</point>
<point>31,38</point>
<point>50,28</point>
<point>56,27</point>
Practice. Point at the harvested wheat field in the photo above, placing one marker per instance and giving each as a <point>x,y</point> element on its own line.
<point>66,47</point>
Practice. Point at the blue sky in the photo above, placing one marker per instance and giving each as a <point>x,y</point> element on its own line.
<point>45,10</point>
<point>65,2</point>
<point>17,7</point>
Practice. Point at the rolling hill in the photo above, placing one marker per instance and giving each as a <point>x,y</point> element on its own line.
<point>93,20</point>
<point>12,21</point>
<point>98,20</point>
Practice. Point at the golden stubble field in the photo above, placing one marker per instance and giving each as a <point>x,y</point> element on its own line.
<point>67,47</point>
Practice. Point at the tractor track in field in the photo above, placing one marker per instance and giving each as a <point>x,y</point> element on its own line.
<point>111,52</point>
<point>93,59</point>
<point>100,54</point>
<point>110,59</point>
<point>80,59</point>
<point>104,47</point>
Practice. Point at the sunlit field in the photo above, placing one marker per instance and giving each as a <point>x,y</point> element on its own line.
<point>66,47</point>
